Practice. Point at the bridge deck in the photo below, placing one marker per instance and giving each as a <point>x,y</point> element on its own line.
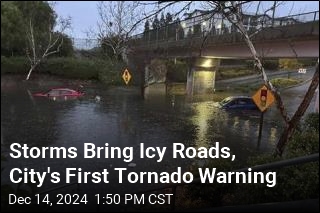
<point>298,40</point>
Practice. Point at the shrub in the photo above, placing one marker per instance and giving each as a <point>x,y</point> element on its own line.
<point>14,65</point>
<point>289,64</point>
<point>307,62</point>
<point>284,82</point>
<point>70,68</point>
<point>295,182</point>
<point>111,73</point>
<point>106,71</point>
<point>227,72</point>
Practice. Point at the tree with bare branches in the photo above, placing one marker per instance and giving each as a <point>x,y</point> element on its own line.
<point>45,41</point>
<point>233,12</point>
<point>54,43</point>
<point>117,21</point>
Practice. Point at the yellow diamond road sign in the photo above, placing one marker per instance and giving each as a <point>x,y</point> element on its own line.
<point>263,98</point>
<point>126,76</point>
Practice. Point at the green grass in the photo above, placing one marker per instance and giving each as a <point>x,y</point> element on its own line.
<point>227,73</point>
<point>247,88</point>
<point>285,82</point>
<point>105,71</point>
<point>277,82</point>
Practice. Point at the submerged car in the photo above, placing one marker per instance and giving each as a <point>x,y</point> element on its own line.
<point>238,102</point>
<point>60,92</point>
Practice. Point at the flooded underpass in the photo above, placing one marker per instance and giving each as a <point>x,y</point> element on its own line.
<point>121,118</point>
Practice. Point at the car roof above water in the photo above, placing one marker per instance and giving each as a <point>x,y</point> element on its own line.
<point>230,98</point>
<point>241,96</point>
<point>67,89</point>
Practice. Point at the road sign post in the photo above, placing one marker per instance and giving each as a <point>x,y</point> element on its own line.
<point>263,98</point>
<point>260,129</point>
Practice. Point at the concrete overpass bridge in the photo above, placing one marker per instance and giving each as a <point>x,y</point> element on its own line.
<point>299,39</point>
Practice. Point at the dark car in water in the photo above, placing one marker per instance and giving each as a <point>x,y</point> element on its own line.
<point>238,102</point>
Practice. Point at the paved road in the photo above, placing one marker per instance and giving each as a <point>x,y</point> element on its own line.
<point>292,97</point>
<point>255,79</point>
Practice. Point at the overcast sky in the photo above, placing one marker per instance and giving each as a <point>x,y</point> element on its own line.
<point>84,14</point>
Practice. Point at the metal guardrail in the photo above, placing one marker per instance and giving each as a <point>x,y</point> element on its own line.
<point>258,168</point>
<point>198,26</point>
<point>176,31</point>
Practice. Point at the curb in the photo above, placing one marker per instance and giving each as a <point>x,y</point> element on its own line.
<point>296,85</point>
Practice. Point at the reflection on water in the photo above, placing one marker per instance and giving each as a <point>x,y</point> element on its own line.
<point>121,118</point>
<point>273,136</point>
<point>236,122</point>
<point>203,112</point>
<point>246,128</point>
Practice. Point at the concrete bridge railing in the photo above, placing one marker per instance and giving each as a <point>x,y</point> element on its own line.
<point>306,24</point>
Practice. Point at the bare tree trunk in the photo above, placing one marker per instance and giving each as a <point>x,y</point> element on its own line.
<point>273,12</point>
<point>290,128</point>
<point>258,64</point>
<point>30,71</point>
<point>37,55</point>
<point>292,123</point>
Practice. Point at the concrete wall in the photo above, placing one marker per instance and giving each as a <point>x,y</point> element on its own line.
<point>203,82</point>
<point>201,77</point>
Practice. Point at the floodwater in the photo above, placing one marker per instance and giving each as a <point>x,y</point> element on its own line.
<point>123,119</point>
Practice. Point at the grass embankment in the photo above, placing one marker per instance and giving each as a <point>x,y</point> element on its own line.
<point>280,83</point>
<point>285,82</point>
<point>105,71</point>
<point>235,72</point>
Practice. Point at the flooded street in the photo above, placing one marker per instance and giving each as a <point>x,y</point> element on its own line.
<point>123,119</point>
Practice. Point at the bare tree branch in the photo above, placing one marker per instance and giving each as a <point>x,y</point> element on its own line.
<point>38,54</point>
<point>233,12</point>
<point>117,22</point>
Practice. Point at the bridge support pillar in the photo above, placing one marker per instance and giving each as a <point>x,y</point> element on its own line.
<point>201,75</point>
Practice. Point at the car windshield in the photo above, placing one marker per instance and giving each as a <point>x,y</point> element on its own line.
<point>225,101</point>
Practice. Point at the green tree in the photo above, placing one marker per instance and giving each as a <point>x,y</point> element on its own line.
<point>155,27</point>
<point>16,17</point>
<point>12,30</point>
<point>66,49</point>
<point>155,23</point>
<point>147,26</point>
<point>108,50</point>
<point>168,18</point>
<point>146,31</point>
<point>40,20</point>
<point>179,29</point>
<point>162,20</point>
<point>163,27</point>
<point>289,64</point>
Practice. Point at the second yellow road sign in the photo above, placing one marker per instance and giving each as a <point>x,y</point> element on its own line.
<point>263,98</point>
